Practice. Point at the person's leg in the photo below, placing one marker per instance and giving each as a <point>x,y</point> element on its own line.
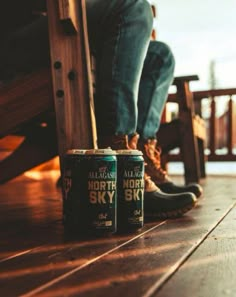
<point>121,53</point>
<point>120,31</point>
<point>156,78</point>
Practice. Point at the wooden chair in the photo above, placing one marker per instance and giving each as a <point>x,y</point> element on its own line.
<point>188,132</point>
<point>61,98</point>
<point>57,99</point>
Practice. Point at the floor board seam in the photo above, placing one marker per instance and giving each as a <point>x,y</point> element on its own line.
<point>166,277</point>
<point>86,264</point>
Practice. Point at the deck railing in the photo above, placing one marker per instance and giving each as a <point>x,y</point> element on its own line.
<point>218,108</point>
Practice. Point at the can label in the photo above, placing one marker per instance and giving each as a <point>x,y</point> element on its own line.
<point>101,186</point>
<point>130,189</point>
<point>73,189</point>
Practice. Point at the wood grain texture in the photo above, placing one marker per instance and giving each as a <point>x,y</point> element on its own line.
<point>72,83</point>
<point>68,16</point>
<point>37,257</point>
<point>24,99</point>
<point>34,247</point>
<point>151,260</point>
<point>191,134</point>
<point>211,270</point>
<point>35,149</point>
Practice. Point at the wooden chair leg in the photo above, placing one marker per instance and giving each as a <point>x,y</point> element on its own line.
<point>189,150</point>
<point>168,136</point>
<point>34,150</point>
<point>202,158</point>
<point>71,75</point>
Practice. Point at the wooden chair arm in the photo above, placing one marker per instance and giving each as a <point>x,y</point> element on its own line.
<point>183,79</point>
<point>183,95</point>
<point>23,99</point>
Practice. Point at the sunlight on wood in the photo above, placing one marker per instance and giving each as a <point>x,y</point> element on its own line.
<point>39,175</point>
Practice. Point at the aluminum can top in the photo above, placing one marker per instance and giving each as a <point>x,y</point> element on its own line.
<point>75,152</point>
<point>104,152</point>
<point>129,152</point>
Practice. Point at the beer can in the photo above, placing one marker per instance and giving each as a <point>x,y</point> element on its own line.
<point>74,189</point>
<point>130,189</point>
<point>101,190</point>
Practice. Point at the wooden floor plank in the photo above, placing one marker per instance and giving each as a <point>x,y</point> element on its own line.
<point>34,248</point>
<point>139,265</point>
<point>36,258</point>
<point>30,210</point>
<point>211,270</point>
<point>48,263</point>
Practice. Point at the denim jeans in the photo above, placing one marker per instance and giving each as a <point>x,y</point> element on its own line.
<point>133,74</point>
<point>157,76</point>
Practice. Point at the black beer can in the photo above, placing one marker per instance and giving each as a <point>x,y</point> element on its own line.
<point>74,189</point>
<point>130,189</point>
<point>101,190</point>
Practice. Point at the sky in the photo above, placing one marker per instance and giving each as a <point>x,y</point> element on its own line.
<point>199,32</point>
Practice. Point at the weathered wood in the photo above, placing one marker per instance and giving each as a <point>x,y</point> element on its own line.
<point>36,256</point>
<point>202,157</point>
<point>68,15</point>
<point>230,127</point>
<point>191,134</point>
<point>189,149</point>
<point>24,99</point>
<point>34,240</point>
<point>35,149</point>
<point>213,126</point>
<point>32,95</point>
<point>214,97</point>
<point>211,269</point>
<point>198,95</point>
<point>72,84</point>
<point>10,142</point>
<point>143,266</point>
<point>189,146</point>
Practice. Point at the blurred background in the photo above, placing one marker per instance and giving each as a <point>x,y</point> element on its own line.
<point>202,35</point>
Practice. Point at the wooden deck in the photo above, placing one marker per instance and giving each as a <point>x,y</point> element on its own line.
<point>191,256</point>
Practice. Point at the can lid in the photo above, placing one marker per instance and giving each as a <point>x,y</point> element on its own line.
<point>129,152</point>
<point>75,152</point>
<point>105,151</point>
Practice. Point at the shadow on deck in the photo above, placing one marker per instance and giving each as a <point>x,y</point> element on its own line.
<point>190,256</point>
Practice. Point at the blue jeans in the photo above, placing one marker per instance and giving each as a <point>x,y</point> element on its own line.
<point>133,74</point>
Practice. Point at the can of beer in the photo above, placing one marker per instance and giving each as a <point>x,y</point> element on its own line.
<point>74,189</point>
<point>130,189</point>
<point>101,190</point>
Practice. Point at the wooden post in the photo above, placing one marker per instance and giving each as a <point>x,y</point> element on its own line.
<point>213,127</point>
<point>189,142</point>
<point>230,127</point>
<point>71,74</point>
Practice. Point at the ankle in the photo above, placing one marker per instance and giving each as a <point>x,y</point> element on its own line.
<point>133,141</point>
<point>149,185</point>
<point>116,142</point>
